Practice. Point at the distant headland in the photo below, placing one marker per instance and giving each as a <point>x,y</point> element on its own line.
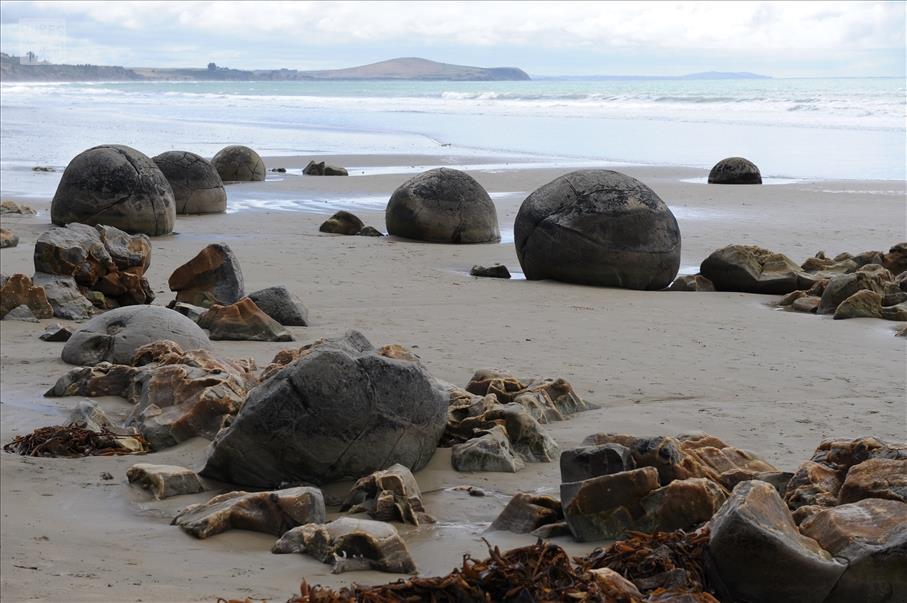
<point>13,69</point>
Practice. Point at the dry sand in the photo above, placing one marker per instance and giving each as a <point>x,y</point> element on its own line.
<point>767,380</point>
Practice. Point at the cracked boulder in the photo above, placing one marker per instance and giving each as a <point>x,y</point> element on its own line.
<point>18,290</point>
<point>735,170</point>
<point>486,451</point>
<point>875,478</point>
<point>587,462</point>
<point>442,205</point>
<point>165,481</point>
<point>605,507</point>
<point>341,410</point>
<point>242,321</point>
<point>116,335</point>
<point>211,277</point>
<point>118,186</point>
<point>598,227</point>
<point>752,269</point>
<point>350,544</point>
<point>281,305</point>
<point>238,163</point>
<point>343,223</point>
<point>197,187</point>
<point>391,494</point>
<point>273,512</point>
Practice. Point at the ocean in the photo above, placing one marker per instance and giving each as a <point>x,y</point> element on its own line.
<point>791,128</point>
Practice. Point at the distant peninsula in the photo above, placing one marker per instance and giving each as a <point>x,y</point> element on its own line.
<point>13,69</point>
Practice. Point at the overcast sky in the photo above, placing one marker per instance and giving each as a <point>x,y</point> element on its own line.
<point>543,38</point>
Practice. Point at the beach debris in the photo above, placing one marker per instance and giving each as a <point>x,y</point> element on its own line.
<point>115,336</point>
<point>343,223</point>
<point>752,269</point>
<point>486,451</point>
<point>281,305</point>
<point>279,170</point>
<point>370,231</point>
<point>117,186</point>
<point>177,395</point>
<point>18,290</point>
<point>442,205</point>
<point>391,494</point>
<point>691,282</point>
<point>8,208</point>
<point>242,321</point>
<point>197,187</point>
<point>43,168</point>
<point>273,512</point>
<point>238,163</point>
<point>350,544</point>
<point>75,440</point>
<point>65,297</point>
<point>527,512</point>
<point>355,410</point>
<point>22,313</point>
<point>598,227</point>
<point>320,168</point>
<point>101,260</point>
<point>211,277</point>
<point>8,238</point>
<point>735,170</point>
<point>165,481</point>
<point>495,271</point>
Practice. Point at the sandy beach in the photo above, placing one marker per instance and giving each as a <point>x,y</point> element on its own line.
<point>728,364</point>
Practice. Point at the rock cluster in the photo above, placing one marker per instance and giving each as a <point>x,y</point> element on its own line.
<point>19,291</point>
<point>15,209</point>
<point>345,223</point>
<point>598,227</point>
<point>391,494</point>
<point>320,168</point>
<point>197,187</point>
<point>752,269</point>
<point>238,163</point>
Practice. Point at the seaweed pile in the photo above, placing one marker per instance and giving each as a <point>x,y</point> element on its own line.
<point>75,440</point>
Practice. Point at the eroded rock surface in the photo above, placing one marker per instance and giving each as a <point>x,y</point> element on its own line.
<point>197,187</point>
<point>211,277</point>
<point>526,513</point>
<point>391,494</point>
<point>752,269</point>
<point>735,170</point>
<point>242,321</point>
<point>281,305</point>
<point>343,223</point>
<point>238,163</point>
<point>18,290</point>
<point>165,481</point>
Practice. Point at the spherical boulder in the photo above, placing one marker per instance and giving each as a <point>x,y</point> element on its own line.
<point>598,227</point>
<point>442,206</point>
<point>118,186</point>
<point>237,163</point>
<point>735,170</point>
<point>197,187</point>
<point>114,336</point>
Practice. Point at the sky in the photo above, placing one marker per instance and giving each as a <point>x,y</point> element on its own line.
<point>781,39</point>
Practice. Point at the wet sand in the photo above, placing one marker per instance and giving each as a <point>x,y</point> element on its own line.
<point>729,364</point>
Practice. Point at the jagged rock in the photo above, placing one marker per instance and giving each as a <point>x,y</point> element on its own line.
<point>22,313</point>
<point>55,332</point>
<point>281,305</point>
<point>578,464</point>
<point>177,395</point>
<point>370,231</point>
<point>350,544</point>
<point>18,290</point>
<point>388,495</point>
<point>759,555</point>
<point>92,416</point>
<point>273,512</point>
<point>197,187</point>
<point>791,297</point>
<point>13,208</point>
<point>877,270</point>
<point>321,168</point>
<point>735,170</point>
<point>604,507</point>
<point>489,452</point>
<point>211,277</point>
<point>901,281</point>
<point>64,296</point>
<point>115,336</point>
<point>8,238</point>
<point>751,269</point>
<point>842,287</point>
<point>545,399</point>
<point>242,321</point>
<point>526,513</point>
<point>896,258</point>
<point>895,312</point>
<point>828,267</point>
<point>165,481</point>
<point>118,186</point>
<point>871,536</point>
<point>442,205</point>
<point>868,257</point>
<point>191,312</point>
<point>681,505</point>
<point>893,299</point>
<point>875,478</point>
<point>355,411</point>
<point>862,304</point>
<point>808,304</point>
<point>598,227</point>
<point>691,282</point>
<point>614,586</point>
<point>496,271</point>
<point>778,479</point>
<point>237,163</point>
<point>343,223</point>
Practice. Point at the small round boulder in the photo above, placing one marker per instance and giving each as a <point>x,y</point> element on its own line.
<point>598,227</point>
<point>237,163</point>
<point>197,187</point>
<point>443,206</point>
<point>117,186</point>
<point>114,336</point>
<point>735,170</point>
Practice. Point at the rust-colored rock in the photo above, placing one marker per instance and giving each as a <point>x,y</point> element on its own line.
<point>862,304</point>
<point>526,513</point>
<point>875,478</point>
<point>808,304</point>
<point>243,321</point>
<point>211,277</point>
<point>605,507</point>
<point>681,505</point>
<point>546,399</point>
<point>896,258</point>
<point>18,290</point>
<point>8,238</point>
<point>165,481</point>
<point>691,282</point>
<point>388,495</point>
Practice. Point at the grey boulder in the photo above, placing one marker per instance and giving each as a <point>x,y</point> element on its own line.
<point>64,296</point>
<point>281,305</point>
<point>752,269</point>
<point>735,170</point>
<point>238,163</point>
<point>197,187</point>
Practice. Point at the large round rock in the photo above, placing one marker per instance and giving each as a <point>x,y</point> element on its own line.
<point>197,187</point>
<point>237,163</point>
<point>341,411</point>
<point>114,336</point>
<point>118,186</point>
<point>443,206</point>
<point>735,170</point>
<point>598,227</point>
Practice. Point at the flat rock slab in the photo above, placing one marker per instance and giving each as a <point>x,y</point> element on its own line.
<point>165,481</point>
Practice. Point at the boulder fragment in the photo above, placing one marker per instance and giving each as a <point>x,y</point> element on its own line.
<point>8,238</point>
<point>491,451</point>
<point>242,321</point>
<point>18,290</point>
<point>526,513</point>
<point>391,494</point>
<point>496,271</point>
<point>64,296</point>
<point>751,269</point>
<point>211,277</point>
<point>281,305</point>
<point>55,332</point>
<point>320,168</point>
<point>691,282</point>
<point>165,481</point>
<point>343,223</point>
<point>603,508</point>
